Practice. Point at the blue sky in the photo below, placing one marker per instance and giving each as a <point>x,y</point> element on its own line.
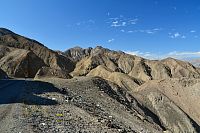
<point>150,28</point>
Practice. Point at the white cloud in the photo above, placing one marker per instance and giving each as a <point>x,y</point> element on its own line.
<point>183,37</point>
<point>122,30</point>
<point>91,21</point>
<point>121,21</point>
<point>176,35</point>
<point>85,23</point>
<point>111,40</point>
<point>157,29</point>
<point>114,18</point>
<point>116,24</point>
<point>192,31</point>
<point>133,21</point>
<point>147,55</point>
<point>130,31</point>
<point>184,55</point>
<point>149,31</point>
<point>175,54</point>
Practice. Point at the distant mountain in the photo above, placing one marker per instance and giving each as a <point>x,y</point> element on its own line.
<point>131,65</point>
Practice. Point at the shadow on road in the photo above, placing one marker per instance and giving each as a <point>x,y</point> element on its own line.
<point>27,92</point>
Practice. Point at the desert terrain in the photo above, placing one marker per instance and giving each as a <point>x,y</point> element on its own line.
<point>93,90</point>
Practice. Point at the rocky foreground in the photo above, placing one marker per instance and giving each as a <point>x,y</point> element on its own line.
<point>93,90</point>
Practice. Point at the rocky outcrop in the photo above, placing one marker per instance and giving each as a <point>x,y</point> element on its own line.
<point>47,72</point>
<point>77,53</point>
<point>18,62</point>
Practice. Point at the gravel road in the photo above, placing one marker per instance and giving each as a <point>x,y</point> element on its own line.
<point>11,94</point>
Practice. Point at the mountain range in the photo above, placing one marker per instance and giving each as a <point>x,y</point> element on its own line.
<point>97,89</point>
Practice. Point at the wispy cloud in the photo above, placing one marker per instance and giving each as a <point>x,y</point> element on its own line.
<point>175,8</point>
<point>175,54</point>
<point>130,31</point>
<point>147,31</point>
<point>122,30</point>
<point>147,55</point>
<point>121,21</point>
<point>87,22</point>
<point>192,31</point>
<point>176,35</point>
<point>111,40</point>
<point>150,31</point>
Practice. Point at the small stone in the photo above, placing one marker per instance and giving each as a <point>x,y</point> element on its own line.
<point>43,124</point>
<point>53,98</point>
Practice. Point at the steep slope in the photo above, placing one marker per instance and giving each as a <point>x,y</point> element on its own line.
<point>50,58</point>
<point>171,116</point>
<point>183,92</point>
<point>18,62</point>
